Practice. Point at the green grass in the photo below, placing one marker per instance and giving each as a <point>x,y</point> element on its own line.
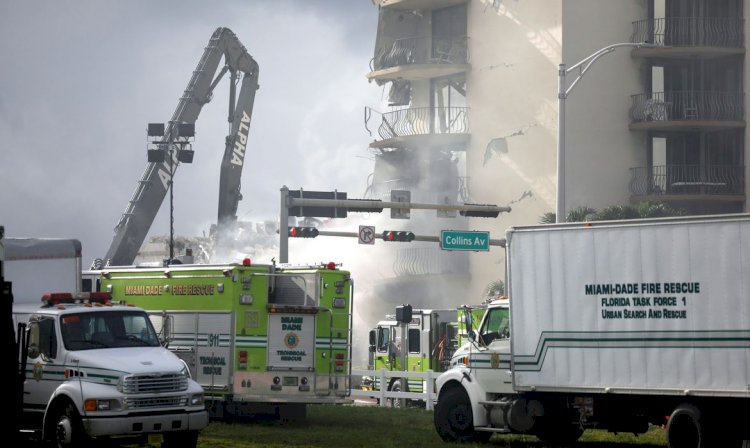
<point>370,426</point>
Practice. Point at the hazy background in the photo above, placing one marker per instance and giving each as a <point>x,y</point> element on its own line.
<point>81,79</point>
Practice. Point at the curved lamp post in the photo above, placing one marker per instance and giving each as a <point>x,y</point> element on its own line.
<point>563,90</point>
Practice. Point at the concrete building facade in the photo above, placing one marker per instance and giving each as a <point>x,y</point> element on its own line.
<point>473,94</point>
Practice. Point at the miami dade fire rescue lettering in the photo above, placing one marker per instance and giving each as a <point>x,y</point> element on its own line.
<point>175,290</point>
<point>660,300</point>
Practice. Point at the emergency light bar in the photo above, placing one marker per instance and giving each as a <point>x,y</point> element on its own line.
<point>291,309</point>
<point>58,298</point>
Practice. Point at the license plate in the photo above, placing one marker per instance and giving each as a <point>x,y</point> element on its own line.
<point>155,439</point>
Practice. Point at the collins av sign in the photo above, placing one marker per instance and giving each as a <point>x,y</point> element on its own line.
<point>464,240</point>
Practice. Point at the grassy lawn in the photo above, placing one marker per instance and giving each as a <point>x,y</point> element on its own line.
<point>370,426</point>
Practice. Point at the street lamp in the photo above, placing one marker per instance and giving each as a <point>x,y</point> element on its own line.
<point>178,135</point>
<point>563,90</point>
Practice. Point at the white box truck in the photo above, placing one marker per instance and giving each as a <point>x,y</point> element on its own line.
<point>613,325</point>
<point>94,370</point>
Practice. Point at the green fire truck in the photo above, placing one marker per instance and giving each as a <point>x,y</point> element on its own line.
<point>432,337</point>
<point>260,339</point>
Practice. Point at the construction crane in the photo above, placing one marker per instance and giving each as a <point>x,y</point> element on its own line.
<point>151,190</point>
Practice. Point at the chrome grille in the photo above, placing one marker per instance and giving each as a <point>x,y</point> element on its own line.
<point>154,383</point>
<point>154,402</point>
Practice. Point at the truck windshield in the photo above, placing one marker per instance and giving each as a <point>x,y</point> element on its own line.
<point>495,326</point>
<point>87,331</point>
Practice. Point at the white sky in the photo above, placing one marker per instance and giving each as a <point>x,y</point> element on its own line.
<point>79,81</point>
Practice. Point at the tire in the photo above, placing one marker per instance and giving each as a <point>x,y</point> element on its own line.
<point>454,420</point>
<point>180,439</point>
<point>68,429</point>
<point>394,402</point>
<point>688,427</point>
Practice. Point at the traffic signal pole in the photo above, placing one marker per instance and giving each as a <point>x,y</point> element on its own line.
<point>430,239</point>
<point>283,225</point>
<point>288,202</point>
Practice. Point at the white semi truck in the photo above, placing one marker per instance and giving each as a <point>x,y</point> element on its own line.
<point>613,325</point>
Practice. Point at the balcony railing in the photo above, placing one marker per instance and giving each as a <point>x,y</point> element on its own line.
<point>420,121</point>
<point>687,105</point>
<point>422,50</point>
<point>687,180</point>
<point>691,31</point>
<point>428,261</point>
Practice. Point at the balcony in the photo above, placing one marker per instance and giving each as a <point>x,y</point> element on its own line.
<point>415,58</point>
<point>688,182</point>
<point>682,110</point>
<point>444,127</point>
<point>680,37</point>
<point>412,261</point>
<point>417,5</point>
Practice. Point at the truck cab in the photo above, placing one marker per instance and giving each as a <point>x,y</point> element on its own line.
<point>487,351</point>
<point>431,337</point>
<point>97,370</point>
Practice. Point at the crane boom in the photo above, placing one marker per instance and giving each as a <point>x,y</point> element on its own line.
<point>151,190</point>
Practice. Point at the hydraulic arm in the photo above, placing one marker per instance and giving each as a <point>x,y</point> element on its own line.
<point>151,190</point>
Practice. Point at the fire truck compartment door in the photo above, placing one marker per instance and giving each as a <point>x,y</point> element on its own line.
<point>291,341</point>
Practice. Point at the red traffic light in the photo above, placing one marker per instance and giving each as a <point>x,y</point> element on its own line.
<point>303,232</point>
<point>398,235</point>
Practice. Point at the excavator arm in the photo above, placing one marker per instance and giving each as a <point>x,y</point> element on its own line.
<point>151,190</point>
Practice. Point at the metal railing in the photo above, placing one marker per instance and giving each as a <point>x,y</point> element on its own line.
<point>421,121</point>
<point>412,261</point>
<point>687,105</point>
<point>428,395</point>
<point>687,180</point>
<point>691,31</point>
<point>422,50</point>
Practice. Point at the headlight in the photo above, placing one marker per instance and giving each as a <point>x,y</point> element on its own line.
<point>101,405</point>
<point>185,370</point>
<point>196,400</point>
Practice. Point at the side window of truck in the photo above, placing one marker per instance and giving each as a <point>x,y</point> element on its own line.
<point>414,342</point>
<point>42,340</point>
<point>496,326</point>
<point>383,339</point>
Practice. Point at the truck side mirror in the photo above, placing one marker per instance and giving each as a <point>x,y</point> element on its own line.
<point>469,322</point>
<point>167,324</point>
<point>373,339</point>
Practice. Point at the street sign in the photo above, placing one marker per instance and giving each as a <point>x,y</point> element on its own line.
<point>366,234</point>
<point>464,240</point>
<point>400,196</point>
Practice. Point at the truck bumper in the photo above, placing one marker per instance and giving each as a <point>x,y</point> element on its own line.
<point>145,423</point>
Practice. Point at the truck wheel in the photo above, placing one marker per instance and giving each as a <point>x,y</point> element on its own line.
<point>395,402</point>
<point>686,428</point>
<point>454,420</point>
<point>180,439</point>
<point>69,430</point>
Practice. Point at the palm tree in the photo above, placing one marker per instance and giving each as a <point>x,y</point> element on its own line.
<point>616,212</point>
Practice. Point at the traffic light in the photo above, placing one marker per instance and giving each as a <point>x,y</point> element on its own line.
<point>398,235</point>
<point>303,232</point>
<point>480,214</point>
